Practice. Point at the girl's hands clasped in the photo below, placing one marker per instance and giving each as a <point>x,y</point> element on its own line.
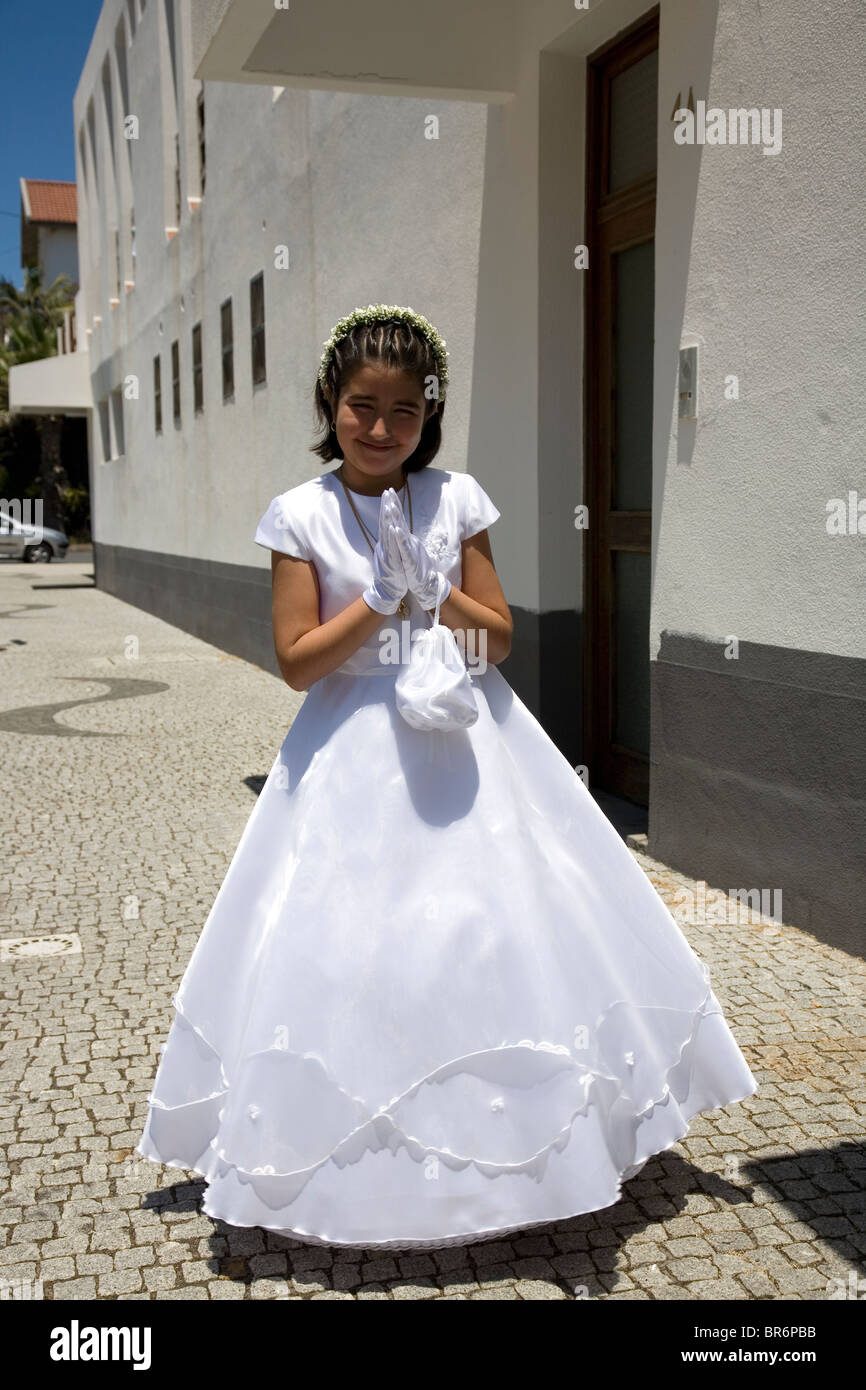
<point>422,577</point>
<point>401,562</point>
<point>389,583</point>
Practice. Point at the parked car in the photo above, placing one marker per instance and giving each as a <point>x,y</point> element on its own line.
<point>35,544</point>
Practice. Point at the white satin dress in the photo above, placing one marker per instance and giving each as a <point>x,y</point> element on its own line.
<point>436,999</point>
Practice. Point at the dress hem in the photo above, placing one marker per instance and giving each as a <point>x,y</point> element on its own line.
<point>472,1238</point>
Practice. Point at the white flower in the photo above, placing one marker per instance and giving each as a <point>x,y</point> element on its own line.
<point>436,542</point>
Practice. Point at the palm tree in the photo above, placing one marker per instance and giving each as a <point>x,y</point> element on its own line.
<point>29,319</point>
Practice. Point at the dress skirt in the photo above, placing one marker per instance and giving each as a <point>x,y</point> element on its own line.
<point>435,1000</point>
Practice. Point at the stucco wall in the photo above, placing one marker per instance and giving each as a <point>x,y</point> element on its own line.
<point>58,253</point>
<point>761,259</point>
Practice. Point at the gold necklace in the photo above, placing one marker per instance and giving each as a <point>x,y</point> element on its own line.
<point>402,607</point>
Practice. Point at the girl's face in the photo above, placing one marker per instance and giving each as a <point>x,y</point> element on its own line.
<point>380,415</point>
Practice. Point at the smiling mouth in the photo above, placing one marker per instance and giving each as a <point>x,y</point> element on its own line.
<point>380,448</point>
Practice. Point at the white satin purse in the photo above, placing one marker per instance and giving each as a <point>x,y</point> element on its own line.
<point>434,690</point>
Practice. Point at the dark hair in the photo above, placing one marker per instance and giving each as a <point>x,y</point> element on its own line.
<point>394,344</point>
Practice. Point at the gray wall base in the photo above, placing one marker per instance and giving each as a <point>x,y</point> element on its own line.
<point>758,777</point>
<point>226,605</point>
<point>545,669</point>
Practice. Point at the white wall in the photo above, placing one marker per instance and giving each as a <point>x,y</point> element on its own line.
<point>58,253</point>
<point>761,259</point>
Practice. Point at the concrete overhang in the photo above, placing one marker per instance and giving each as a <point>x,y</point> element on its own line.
<point>52,386</point>
<point>464,50</point>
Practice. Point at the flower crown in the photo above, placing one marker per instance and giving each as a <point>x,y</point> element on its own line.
<point>381,313</point>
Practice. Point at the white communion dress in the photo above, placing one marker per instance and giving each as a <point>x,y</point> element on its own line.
<point>436,999</point>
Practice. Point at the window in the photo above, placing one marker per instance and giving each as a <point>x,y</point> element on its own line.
<point>177,180</point>
<point>91,132</point>
<point>201,144</point>
<point>82,154</point>
<point>157,395</point>
<point>104,430</point>
<point>175,381</point>
<point>228,350</point>
<point>197,378</point>
<point>257,327</point>
<point>117,434</point>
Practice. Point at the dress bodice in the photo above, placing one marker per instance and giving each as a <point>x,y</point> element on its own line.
<point>315,522</point>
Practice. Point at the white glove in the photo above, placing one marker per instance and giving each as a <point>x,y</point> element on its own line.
<point>388,584</point>
<point>422,576</point>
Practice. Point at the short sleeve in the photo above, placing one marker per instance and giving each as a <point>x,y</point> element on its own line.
<point>478,511</point>
<point>277,530</point>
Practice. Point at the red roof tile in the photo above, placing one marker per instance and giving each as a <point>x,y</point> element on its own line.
<point>51,200</point>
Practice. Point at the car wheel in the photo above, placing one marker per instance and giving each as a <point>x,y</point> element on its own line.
<point>38,554</point>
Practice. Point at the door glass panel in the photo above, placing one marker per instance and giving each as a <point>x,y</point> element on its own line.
<point>633,123</point>
<point>631,584</point>
<point>634,286</point>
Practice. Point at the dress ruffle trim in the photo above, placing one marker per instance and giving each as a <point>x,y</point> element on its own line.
<point>206,1140</point>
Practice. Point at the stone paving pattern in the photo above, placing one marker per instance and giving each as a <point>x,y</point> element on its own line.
<point>761,1200</point>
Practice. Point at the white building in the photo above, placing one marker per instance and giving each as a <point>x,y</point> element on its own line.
<point>700,644</point>
<point>48,227</point>
<point>49,241</point>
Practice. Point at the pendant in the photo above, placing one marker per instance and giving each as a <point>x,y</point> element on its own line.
<point>402,609</point>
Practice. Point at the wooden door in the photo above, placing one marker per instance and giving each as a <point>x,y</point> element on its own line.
<point>621,201</point>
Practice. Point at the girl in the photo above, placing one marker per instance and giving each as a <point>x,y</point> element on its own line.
<point>436,999</point>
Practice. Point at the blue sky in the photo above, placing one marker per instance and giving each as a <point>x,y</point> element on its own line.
<point>44,47</point>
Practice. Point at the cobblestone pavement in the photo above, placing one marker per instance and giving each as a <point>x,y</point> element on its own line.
<point>122,837</point>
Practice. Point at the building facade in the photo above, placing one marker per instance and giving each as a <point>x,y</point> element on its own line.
<point>58,385</point>
<point>49,231</point>
<point>639,230</point>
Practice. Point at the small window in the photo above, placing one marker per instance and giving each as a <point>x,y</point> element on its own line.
<point>228,350</point>
<point>118,439</point>
<point>257,327</point>
<point>197,381</point>
<point>157,394</point>
<point>177,180</point>
<point>104,430</point>
<point>201,142</point>
<point>175,381</point>
<point>82,155</point>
